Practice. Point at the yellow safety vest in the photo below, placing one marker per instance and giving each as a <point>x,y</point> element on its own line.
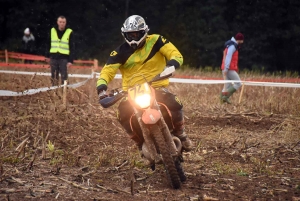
<point>60,45</point>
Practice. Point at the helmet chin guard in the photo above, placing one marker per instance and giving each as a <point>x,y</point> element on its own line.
<point>134,31</point>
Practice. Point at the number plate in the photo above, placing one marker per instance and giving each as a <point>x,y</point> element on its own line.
<point>139,90</point>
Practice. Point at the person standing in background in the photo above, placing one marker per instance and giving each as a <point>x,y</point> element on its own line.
<point>28,42</point>
<point>230,66</point>
<point>61,51</point>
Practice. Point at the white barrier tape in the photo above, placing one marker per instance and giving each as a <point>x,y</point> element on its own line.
<point>177,80</point>
<point>250,83</point>
<point>43,89</point>
<point>271,84</point>
<point>43,74</point>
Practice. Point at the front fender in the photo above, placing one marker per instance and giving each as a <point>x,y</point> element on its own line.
<point>151,116</point>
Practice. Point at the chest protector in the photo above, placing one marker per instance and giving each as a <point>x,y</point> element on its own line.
<point>60,45</point>
<point>234,60</point>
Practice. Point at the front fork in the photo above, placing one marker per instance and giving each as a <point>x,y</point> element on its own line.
<point>166,132</point>
<point>148,139</point>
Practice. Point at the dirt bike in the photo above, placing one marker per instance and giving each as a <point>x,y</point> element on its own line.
<point>159,145</point>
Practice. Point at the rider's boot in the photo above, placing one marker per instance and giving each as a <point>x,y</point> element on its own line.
<point>178,131</point>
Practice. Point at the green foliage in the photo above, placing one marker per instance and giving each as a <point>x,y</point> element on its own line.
<point>222,168</point>
<point>207,69</point>
<point>242,173</point>
<point>50,146</point>
<point>10,160</point>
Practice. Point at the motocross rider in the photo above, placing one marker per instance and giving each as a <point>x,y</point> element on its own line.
<point>147,55</point>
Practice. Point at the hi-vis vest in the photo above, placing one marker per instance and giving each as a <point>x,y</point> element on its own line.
<point>60,45</point>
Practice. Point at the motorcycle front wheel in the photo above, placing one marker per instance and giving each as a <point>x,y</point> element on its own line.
<point>169,164</point>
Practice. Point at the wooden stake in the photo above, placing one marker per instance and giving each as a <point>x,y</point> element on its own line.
<point>93,72</point>
<point>240,99</point>
<point>94,68</point>
<point>95,63</point>
<point>6,56</point>
<point>65,94</point>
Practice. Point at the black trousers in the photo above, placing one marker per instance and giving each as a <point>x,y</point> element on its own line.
<point>58,66</point>
<point>164,98</point>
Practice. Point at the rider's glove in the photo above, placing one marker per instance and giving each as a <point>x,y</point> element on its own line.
<point>101,90</point>
<point>168,70</point>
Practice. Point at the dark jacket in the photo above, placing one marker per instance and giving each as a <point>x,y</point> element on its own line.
<point>28,44</point>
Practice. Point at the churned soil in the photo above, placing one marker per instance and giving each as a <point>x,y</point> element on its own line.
<point>246,151</point>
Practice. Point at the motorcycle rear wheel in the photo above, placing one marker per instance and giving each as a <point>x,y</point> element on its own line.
<point>169,163</point>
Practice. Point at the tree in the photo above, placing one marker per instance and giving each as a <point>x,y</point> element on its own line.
<point>198,29</point>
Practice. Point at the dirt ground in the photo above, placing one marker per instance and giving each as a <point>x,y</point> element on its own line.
<point>246,151</point>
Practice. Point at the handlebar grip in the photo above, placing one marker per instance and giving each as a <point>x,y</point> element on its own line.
<point>110,100</point>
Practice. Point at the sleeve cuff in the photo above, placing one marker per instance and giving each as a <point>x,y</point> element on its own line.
<point>173,62</point>
<point>101,81</point>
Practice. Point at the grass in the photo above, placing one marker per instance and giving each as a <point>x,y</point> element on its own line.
<point>243,173</point>
<point>10,160</point>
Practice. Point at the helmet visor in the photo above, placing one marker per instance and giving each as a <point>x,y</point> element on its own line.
<point>135,35</point>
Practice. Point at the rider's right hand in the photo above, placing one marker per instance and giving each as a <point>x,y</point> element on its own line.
<point>101,90</point>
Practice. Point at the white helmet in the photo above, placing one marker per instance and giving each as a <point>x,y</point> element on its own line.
<point>134,30</point>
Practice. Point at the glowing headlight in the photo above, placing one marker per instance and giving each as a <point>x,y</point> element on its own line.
<point>143,100</point>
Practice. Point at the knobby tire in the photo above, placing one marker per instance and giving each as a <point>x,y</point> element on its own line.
<point>180,170</point>
<point>177,161</point>
<point>171,170</point>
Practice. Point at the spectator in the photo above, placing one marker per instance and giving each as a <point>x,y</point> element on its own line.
<point>61,50</point>
<point>28,41</point>
<point>230,66</point>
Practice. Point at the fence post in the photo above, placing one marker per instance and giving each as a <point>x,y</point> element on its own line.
<point>6,56</point>
<point>241,94</point>
<point>65,94</point>
<point>95,67</point>
<point>95,63</point>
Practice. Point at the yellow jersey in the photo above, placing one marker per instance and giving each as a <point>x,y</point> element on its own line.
<point>141,64</point>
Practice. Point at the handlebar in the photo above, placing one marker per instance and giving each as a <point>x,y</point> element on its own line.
<point>115,95</point>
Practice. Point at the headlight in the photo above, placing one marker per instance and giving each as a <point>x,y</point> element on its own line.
<point>143,100</point>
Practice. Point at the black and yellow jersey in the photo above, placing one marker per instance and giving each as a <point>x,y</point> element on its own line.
<point>143,63</point>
